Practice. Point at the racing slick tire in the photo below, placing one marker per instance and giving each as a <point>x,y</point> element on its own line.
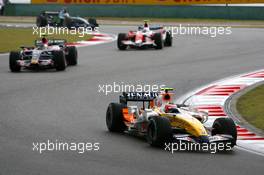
<point>41,21</point>
<point>168,40</point>
<point>159,131</point>
<point>114,118</point>
<point>72,57</point>
<point>59,60</point>
<point>13,57</point>
<point>225,126</point>
<point>68,22</point>
<point>158,40</point>
<point>121,37</point>
<point>93,23</point>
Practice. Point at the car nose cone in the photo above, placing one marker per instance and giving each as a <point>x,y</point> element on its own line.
<point>34,61</point>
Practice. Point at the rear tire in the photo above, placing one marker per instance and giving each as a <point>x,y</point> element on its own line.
<point>114,118</point>
<point>93,22</point>
<point>159,131</point>
<point>68,22</point>
<point>120,39</point>
<point>59,60</point>
<point>13,58</point>
<point>41,21</point>
<point>225,126</point>
<point>72,56</point>
<point>158,40</point>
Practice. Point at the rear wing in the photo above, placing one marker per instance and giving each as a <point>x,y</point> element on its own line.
<point>26,47</point>
<point>153,28</point>
<point>137,96</point>
<point>51,12</point>
<point>51,42</point>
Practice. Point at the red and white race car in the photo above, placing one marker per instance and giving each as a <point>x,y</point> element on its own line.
<point>145,37</point>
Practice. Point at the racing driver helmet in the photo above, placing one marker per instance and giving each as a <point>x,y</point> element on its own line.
<point>146,27</point>
<point>44,42</point>
<point>165,97</point>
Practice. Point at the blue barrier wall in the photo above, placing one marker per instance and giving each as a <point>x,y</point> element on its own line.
<point>206,12</point>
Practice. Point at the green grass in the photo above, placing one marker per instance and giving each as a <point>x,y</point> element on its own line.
<point>251,107</point>
<point>13,38</point>
<point>17,19</point>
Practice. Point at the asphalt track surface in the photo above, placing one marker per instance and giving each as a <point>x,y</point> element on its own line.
<point>36,106</point>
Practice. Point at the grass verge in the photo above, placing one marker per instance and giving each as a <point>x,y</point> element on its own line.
<point>251,107</point>
<point>14,38</point>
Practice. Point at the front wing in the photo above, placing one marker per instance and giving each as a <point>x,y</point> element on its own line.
<point>209,139</point>
<point>131,43</point>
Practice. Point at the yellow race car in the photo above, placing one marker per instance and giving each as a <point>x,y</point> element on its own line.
<point>161,121</point>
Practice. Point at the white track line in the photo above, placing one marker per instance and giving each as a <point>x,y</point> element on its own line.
<point>212,98</point>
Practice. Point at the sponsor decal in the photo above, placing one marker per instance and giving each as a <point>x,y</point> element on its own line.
<point>146,2</point>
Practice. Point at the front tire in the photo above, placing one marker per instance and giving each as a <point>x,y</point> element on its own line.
<point>114,118</point>
<point>72,56</point>
<point>13,58</point>
<point>225,126</point>
<point>158,41</point>
<point>159,131</point>
<point>168,40</point>
<point>59,60</point>
<point>120,39</point>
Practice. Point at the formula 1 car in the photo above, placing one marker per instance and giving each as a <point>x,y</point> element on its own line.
<point>161,121</point>
<point>52,18</point>
<point>145,37</point>
<point>46,54</point>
